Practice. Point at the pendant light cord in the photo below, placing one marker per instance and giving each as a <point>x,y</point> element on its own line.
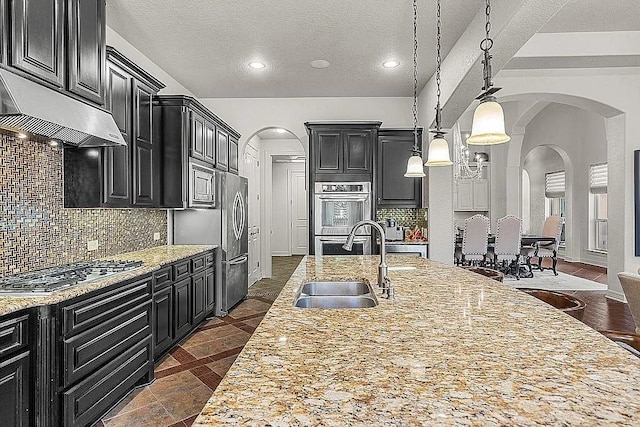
<point>416,148</point>
<point>485,46</point>
<point>438,66</point>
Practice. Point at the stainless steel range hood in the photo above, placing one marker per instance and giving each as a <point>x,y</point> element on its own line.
<point>28,107</point>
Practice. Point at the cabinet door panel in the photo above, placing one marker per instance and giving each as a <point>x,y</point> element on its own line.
<point>210,143</point>
<point>4,30</point>
<point>14,389</point>
<point>328,152</point>
<point>393,189</point>
<point>199,298</point>
<point>464,195</point>
<point>357,151</point>
<point>117,167</point>
<point>197,136</point>
<point>37,39</point>
<point>182,308</point>
<point>481,195</point>
<point>86,27</point>
<point>233,155</point>
<point>210,278</point>
<point>222,151</point>
<point>145,177</point>
<point>162,320</point>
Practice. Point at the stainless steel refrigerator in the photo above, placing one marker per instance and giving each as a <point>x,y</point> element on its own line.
<point>226,227</point>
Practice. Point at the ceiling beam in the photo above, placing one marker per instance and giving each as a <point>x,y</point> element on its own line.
<point>513,24</point>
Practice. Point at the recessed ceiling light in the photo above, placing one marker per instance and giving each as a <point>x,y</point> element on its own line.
<point>390,64</point>
<point>319,63</point>
<point>54,143</point>
<point>22,135</point>
<point>257,65</point>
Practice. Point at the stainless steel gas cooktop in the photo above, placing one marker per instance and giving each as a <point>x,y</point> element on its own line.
<point>50,280</point>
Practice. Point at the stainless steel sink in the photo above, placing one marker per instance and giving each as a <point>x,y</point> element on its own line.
<point>339,294</point>
<point>335,301</point>
<point>336,288</point>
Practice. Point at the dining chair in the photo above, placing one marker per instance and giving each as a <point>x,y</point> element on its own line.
<point>631,286</point>
<point>506,250</point>
<point>474,239</point>
<point>552,228</point>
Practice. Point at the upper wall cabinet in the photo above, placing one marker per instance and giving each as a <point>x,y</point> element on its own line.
<point>120,177</point>
<point>37,39</point>
<point>341,151</point>
<point>59,43</point>
<point>393,190</point>
<point>86,51</point>
<point>194,141</point>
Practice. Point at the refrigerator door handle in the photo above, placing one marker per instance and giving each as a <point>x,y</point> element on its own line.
<point>238,261</point>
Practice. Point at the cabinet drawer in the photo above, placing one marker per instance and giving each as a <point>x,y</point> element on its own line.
<point>90,350</point>
<point>85,402</point>
<point>198,264</point>
<point>181,270</point>
<point>104,306</point>
<point>14,334</point>
<point>209,259</point>
<point>162,277</point>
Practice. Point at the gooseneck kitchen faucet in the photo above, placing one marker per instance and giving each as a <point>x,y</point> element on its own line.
<point>383,280</point>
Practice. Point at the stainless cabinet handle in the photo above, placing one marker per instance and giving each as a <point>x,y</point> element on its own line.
<point>242,260</point>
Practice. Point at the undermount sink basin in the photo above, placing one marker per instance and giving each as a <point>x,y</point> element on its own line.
<point>335,301</point>
<point>336,288</point>
<point>339,294</point>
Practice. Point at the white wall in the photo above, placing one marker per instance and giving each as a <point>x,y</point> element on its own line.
<point>173,87</point>
<point>281,207</point>
<point>581,134</point>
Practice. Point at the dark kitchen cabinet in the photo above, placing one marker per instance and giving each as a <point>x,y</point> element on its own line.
<point>162,320</point>
<point>393,189</point>
<point>117,162</point>
<point>15,389</point>
<point>15,365</point>
<point>199,298</point>
<point>4,30</point>
<point>210,279</point>
<point>86,29</point>
<point>222,150</point>
<point>342,151</point>
<point>119,177</point>
<point>194,141</point>
<point>233,155</point>
<point>37,39</point>
<point>182,307</point>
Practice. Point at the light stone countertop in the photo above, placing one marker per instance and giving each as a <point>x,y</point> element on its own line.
<point>453,348</point>
<point>153,259</point>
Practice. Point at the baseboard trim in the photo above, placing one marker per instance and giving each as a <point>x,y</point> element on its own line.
<point>615,295</point>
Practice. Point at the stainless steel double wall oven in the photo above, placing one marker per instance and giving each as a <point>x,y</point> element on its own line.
<point>338,206</point>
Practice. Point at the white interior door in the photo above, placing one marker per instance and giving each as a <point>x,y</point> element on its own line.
<point>253,174</point>
<point>298,212</point>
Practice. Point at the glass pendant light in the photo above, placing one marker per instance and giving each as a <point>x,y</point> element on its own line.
<point>488,119</point>
<point>414,165</point>
<point>438,147</point>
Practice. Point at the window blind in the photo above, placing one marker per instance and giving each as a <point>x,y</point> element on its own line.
<point>554,185</point>
<point>598,179</point>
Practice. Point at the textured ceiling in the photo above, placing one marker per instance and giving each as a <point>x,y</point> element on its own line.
<point>206,45</point>
<point>596,15</point>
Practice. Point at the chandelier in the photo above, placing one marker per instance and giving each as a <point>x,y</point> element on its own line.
<point>467,165</point>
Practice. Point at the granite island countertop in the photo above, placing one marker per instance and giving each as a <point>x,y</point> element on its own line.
<point>153,259</point>
<point>453,348</point>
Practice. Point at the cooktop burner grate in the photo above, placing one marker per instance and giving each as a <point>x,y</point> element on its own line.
<point>49,280</point>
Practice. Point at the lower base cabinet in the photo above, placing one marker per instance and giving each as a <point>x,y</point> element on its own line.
<point>199,309</point>
<point>14,390</point>
<point>182,307</point>
<point>163,319</point>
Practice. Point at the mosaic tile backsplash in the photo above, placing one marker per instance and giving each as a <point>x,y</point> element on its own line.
<point>404,217</point>
<point>37,232</point>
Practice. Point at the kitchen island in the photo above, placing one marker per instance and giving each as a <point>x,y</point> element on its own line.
<point>453,348</point>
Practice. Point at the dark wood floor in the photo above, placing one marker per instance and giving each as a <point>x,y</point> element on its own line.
<point>601,313</point>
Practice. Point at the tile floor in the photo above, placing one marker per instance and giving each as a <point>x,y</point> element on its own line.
<point>187,376</point>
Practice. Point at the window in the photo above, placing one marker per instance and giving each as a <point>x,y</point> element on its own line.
<point>598,180</point>
<point>554,191</point>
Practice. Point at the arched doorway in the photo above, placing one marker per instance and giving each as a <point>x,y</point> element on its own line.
<point>274,162</point>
